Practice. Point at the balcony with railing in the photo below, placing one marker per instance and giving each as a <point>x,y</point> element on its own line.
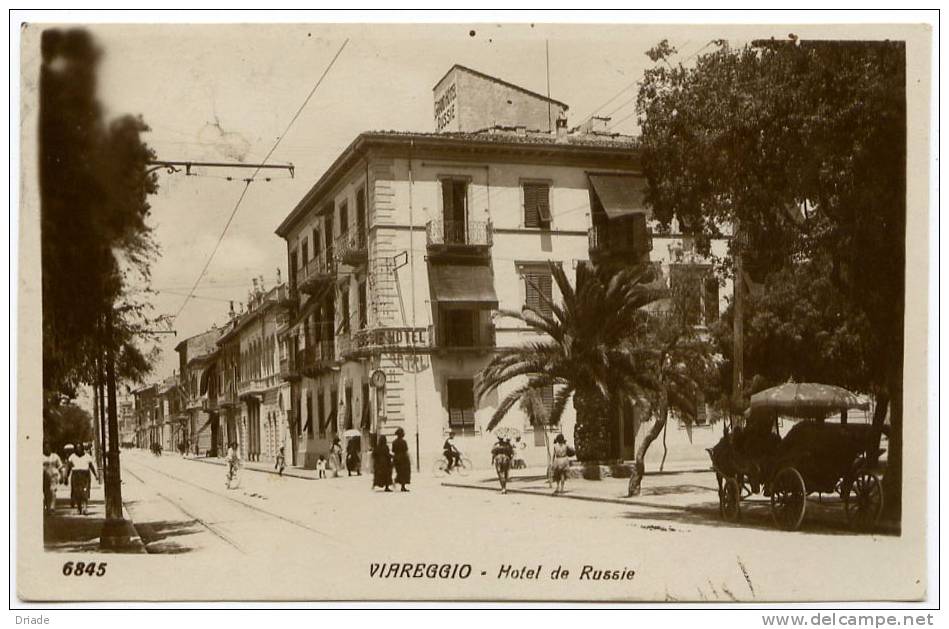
<point>619,239</point>
<point>257,386</point>
<point>317,358</point>
<point>352,248</point>
<point>463,237</point>
<point>229,397</point>
<point>445,339</point>
<point>317,273</point>
<point>289,369</point>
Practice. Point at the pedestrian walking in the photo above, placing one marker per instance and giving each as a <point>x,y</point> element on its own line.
<point>281,463</point>
<point>400,456</point>
<point>518,462</point>
<point>52,466</point>
<point>561,462</point>
<point>353,456</point>
<point>382,465</point>
<point>321,467</point>
<point>501,455</point>
<point>336,457</point>
<point>81,468</point>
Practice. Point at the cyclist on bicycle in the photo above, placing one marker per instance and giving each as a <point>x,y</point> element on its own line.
<point>233,461</point>
<point>452,453</point>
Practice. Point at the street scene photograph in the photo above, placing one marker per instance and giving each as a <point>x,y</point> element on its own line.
<point>473,312</point>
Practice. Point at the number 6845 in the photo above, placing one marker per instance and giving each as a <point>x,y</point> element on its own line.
<point>83,568</point>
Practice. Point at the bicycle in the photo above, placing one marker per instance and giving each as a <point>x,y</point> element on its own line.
<point>462,467</point>
<point>233,475</point>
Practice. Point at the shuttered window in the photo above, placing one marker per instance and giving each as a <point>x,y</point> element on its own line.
<point>538,286</point>
<point>537,205</point>
<point>320,414</point>
<point>309,415</point>
<point>461,405</point>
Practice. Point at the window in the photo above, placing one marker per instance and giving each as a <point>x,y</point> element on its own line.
<point>361,210</point>
<point>538,289</point>
<point>320,415</point>
<point>343,218</point>
<point>315,237</point>
<point>362,310</point>
<point>334,403</point>
<point>537,205</point>
<point>461,405</point>
<point>293,268</point>
<point>305,252</point>
<point>344,324</point>
<point>328,233</point>
<point>458,328</point>
<point>699,292</point>
<point>455,210</point>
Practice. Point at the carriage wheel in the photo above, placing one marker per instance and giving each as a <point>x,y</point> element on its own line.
<point>729,499</point>
<point>863,501</point>
<point>788,499</point>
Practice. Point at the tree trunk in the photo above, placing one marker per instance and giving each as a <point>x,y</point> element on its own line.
<point>591,435</point>
<point>549,455</point>
<point>639,468</point>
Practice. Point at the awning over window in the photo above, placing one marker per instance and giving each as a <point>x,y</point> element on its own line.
<point>462,286</point>
<point>620,195</point>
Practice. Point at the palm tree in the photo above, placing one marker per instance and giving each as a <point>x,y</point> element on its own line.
<point>583,349</point>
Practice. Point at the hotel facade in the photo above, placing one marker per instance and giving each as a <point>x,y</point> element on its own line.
<point>403,255</point>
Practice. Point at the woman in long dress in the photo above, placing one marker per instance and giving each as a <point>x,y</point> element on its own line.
<point>560,462</point>
<point>400,455</point>
<point>81,466</point>
<point>382,465</point>
<point>336,457</point>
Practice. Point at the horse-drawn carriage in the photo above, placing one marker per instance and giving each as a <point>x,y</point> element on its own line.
<point>813,457</point>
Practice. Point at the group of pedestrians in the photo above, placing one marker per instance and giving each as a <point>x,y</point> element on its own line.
<point>77,472</point>
<point>384,462</point>
<point>504,453</point>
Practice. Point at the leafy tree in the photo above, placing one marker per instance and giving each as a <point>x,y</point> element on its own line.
<point>802,146</point>
<point>679,356</point>
<point>93,205</point>
<point>583,349</point>
<point>799,326</point>
<point>66,423</point>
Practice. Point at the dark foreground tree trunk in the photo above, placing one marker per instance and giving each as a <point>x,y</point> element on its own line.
<point>591,435</point>
<point>639,468</point>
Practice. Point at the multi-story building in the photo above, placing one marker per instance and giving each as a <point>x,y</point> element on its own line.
<point>172,420</point>
<point>198,383</point>
<point>254,397</point>
<point>127,424</point>
<point>146,416</point>
<point>402,254</point>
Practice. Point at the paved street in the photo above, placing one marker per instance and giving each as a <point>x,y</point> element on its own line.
<point>335,529</point>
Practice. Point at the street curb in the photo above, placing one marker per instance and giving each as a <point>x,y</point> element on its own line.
<point>618,501</point>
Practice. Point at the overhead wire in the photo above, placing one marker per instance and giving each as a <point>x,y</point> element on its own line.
<point>248,181</point>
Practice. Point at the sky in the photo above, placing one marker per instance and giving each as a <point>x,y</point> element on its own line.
<point>227,92</point>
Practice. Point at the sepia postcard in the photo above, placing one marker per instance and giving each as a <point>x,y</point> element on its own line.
<point>461,312</point>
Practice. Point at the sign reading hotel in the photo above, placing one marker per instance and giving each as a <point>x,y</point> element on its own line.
<point>445,107</point>
<point>392,339</point>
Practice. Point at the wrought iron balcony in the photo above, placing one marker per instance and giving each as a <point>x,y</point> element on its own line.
<point>352,248</point>
<point>317,273</point>
<point>481,340</point>
<point>229,397</point>
<point>316,358</point>
<point>618,239</point>
<point>455,235</point>
<point>289,369</point>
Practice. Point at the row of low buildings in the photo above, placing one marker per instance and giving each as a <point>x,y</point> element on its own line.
<point>400,259</point>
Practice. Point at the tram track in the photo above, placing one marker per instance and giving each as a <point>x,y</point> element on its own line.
<point>230,499</point>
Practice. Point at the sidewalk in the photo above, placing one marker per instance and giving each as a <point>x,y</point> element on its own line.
<point>67,531</point>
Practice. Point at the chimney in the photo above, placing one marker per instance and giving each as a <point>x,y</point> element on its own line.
<point>231,311</point>
<point>254,281</point>
<point>262,288</point>
<point>278,276</point>
<point>561,124</point>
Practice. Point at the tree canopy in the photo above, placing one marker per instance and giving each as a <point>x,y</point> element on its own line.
<point>93,203</point>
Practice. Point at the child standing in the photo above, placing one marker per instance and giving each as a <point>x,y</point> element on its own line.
<point>281,462</point>
<point>321,467</point>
